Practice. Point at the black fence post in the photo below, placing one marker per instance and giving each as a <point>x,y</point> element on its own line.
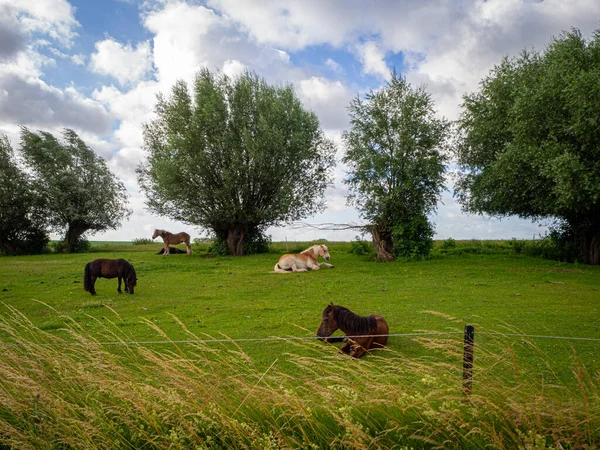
<point>468,359</point>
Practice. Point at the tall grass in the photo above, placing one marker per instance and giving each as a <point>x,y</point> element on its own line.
<point>73,391</point>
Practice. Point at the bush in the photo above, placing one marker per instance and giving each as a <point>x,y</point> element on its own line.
<point>413,239</point>
<point>82,246</point>
<point>141,241</point>
<point>558,245</point>
<point>449,243</point>
<point>30,241</point>
<point>360,247</point>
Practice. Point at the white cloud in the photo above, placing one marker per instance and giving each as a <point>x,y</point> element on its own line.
<point>126,64</point>
<point>233,68</point>
<point>373,59</point>
<point>55,18</point>
<point>327,98</point>
<point>334,66</point>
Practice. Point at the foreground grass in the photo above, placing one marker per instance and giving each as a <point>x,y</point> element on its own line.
<point>528,392</point>
<point>199,396</point>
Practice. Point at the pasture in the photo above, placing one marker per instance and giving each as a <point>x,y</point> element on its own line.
<point>216,352</point>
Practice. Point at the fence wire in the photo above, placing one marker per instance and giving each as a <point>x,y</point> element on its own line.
<point>283,339</point>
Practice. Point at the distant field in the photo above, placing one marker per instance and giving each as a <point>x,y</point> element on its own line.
<point>524,311</point>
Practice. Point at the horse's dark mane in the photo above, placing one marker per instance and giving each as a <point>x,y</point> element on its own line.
<point>353,324</point>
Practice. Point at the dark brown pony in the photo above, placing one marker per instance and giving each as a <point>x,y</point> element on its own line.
<point>109,268</point>
<point>365,332</point>
<point>174,239</point>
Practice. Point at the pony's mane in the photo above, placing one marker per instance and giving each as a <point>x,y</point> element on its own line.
<point>352,323</point>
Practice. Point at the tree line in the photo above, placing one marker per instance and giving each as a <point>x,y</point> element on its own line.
<point>236,156</point>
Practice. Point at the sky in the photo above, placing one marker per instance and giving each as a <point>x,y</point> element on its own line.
<point>96,66</point>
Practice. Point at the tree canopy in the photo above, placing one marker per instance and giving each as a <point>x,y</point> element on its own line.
<point>234,156</point>
<point>22,227</point>
<point>80,193</point>
<point>529,141</point>
<point>396,166</point>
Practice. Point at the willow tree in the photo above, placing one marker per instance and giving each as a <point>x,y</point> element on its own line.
<point>394,150</point>
<point>22,221</point>
<point>80,193</point>
<point>234,156</point>
<point>530,140</point>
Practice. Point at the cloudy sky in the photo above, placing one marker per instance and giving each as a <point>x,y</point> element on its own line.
<point>96,66</point>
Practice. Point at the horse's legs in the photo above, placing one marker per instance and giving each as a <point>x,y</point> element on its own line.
<point>360,347</point>
<point>119,288</point>
<point>189,248</point>
<point>295,269</point>
<point>166,253</point>
<point>93,290</point>
<point>347,346</point>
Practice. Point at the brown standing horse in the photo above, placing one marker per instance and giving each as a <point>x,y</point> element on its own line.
<point>109,268</point>
<point>364,332</point>
<point>173,239</point>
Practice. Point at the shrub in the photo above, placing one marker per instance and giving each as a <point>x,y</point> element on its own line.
<point>29,241</point>
<point>141,241</point>
<point>81,246</point>
<point>449,243</point>
<point>413,239</point>
<point>360,247</point>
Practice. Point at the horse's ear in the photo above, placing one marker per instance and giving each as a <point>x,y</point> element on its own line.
<point>331,304</point>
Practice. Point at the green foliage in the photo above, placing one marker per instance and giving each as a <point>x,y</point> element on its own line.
<point>81,245</point>
<point>449,243</point>
<point>256,243</point>
<point>360,247</point>
<point>558,245</point>
<point>529,140</point>
<point>22,227</point>
<point>80,193</point>
<point>396,164</point>
<point>235,157</point>
<point>143,241</point>
<point>413,238</point>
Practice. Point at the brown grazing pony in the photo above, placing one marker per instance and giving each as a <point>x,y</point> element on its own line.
<point>109,268</point>
<point>303,262</point>
<point>173,239</point>
<point>364,332</point>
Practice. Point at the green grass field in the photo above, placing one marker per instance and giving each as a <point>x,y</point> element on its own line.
<point>534,385</point>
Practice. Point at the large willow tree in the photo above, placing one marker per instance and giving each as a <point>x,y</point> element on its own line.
<point>530,140</point>
<point>80,193</point>
<point>234,156</point>
<point>396,166</point>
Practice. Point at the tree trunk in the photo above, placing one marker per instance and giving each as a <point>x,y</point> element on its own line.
<point>383,243</point>
<point>589,246</point>
<point>235,240</point>
<point>73,236</point>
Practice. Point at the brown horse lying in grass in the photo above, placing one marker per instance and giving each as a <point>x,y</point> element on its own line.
<point>109,268</point>
<point>363,332</point>
<point>173,239</point>
<point>303,262</point>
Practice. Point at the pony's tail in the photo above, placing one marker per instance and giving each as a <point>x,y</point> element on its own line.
<point>278,269</point>
<point>87,278</point>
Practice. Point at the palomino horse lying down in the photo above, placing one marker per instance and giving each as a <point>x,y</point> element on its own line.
<point>364,332</point>
<point>303,262</point>
<point>173,239</point>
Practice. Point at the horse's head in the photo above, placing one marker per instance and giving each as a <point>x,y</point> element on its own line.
<point>131,281</point>
<point>324,252</point>
<point>328,322</point>
<point>156,234</point>
<point>318,250</point>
